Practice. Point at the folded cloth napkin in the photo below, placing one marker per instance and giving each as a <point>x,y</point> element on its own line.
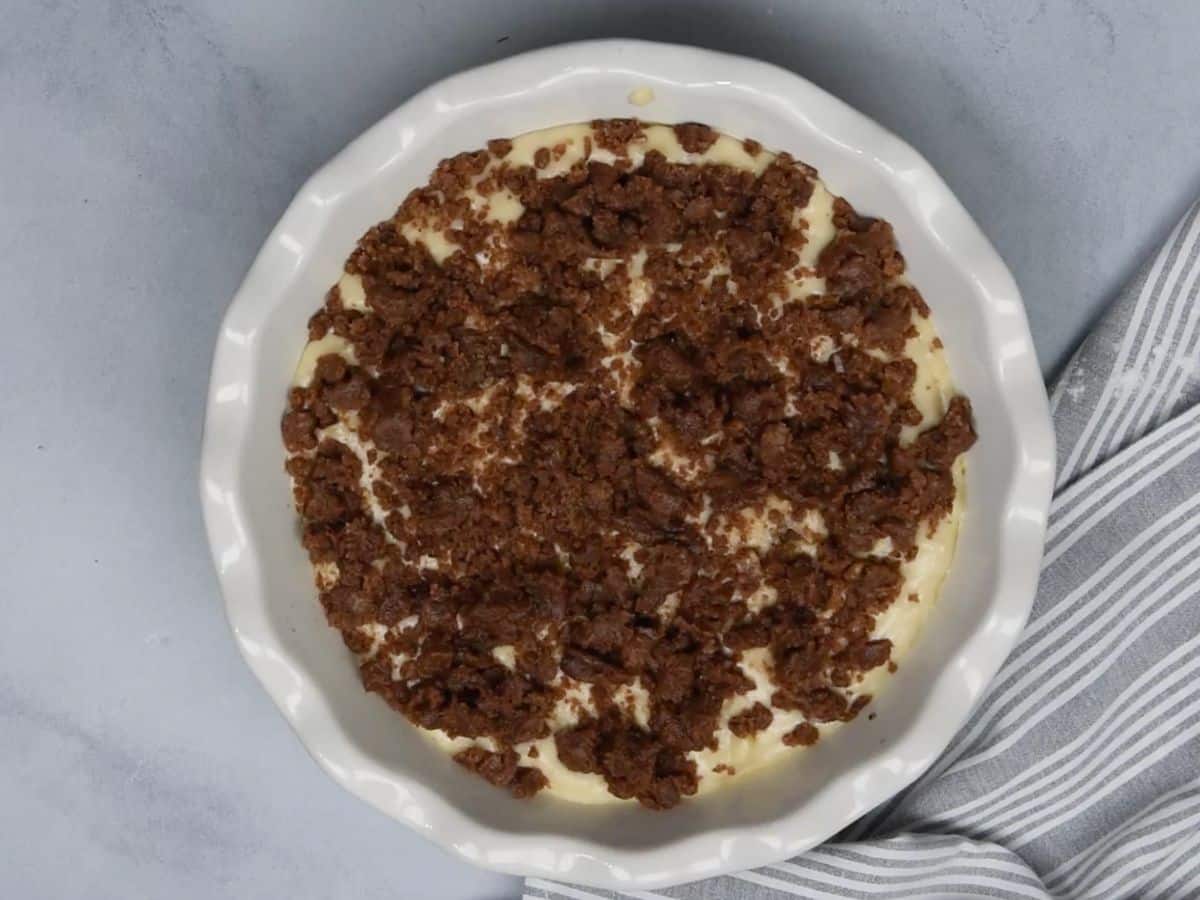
<point>1079,773</point>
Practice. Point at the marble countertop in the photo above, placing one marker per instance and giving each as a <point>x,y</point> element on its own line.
<point>146,150</point>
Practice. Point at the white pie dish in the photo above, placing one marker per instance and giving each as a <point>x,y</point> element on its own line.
<point>766,817</point>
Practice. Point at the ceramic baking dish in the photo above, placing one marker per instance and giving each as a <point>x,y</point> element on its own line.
<point>766,817</point>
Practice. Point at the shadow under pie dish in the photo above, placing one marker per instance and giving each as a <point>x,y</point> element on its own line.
<point>758,816</point>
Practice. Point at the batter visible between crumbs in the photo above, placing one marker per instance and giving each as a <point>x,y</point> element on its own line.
<point>627,459</point>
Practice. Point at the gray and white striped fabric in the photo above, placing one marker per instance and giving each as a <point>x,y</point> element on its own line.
<point>1079,774</point>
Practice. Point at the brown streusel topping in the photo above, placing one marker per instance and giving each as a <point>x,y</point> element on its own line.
<point>560,471</point>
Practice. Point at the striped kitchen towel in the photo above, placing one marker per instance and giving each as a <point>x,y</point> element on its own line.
<point>1079,773</point>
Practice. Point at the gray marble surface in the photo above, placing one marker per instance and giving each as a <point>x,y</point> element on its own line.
<point>146,149</point>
